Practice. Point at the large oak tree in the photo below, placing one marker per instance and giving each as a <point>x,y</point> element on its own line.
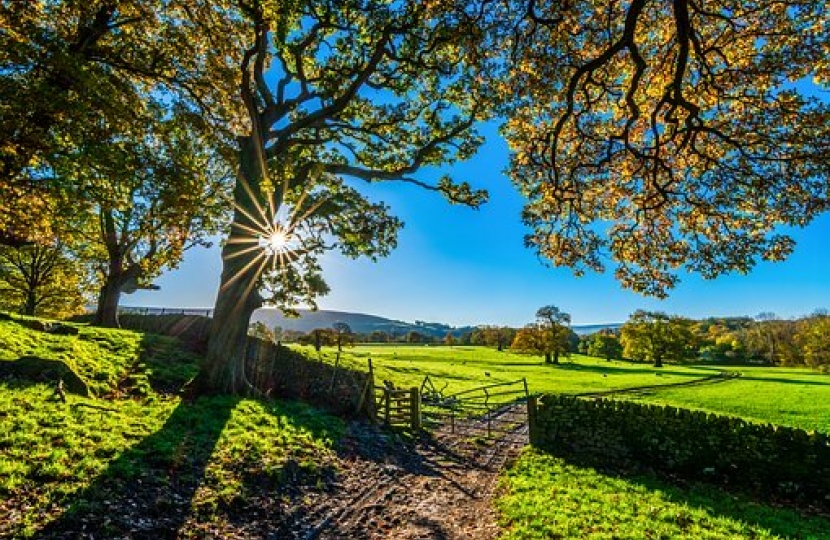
<point>338,91</point>
<point>664,136</point>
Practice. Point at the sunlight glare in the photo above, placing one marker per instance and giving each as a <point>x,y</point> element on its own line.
<point>278,241</point>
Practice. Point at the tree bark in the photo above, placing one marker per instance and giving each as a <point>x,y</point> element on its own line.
<point>224,367</point>
<point>658,362</point>
<point>106,314</point>
<point>547,358</point>
<point>31,303</point>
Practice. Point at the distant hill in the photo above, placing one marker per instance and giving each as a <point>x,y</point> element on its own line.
<point>585,329</point>
<point>358,322</point>
<point>363,323</point>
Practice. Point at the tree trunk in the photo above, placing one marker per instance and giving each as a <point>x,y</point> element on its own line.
<point>31,304</point>
<point>556,357</point>
<point>658,362</point>
<point>106,314</point>
<point>224,367</point>
<point>547,358</point>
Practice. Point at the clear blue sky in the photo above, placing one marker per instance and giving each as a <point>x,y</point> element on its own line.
<point>460,266</point>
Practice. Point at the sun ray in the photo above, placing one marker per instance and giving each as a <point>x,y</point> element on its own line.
<point>259,257</point>
<point>253,198</point>
<point>261,224</point>
<point>308,213</point>
<point>253,283</point>
<point>253,232</point>
<point>240,253</point>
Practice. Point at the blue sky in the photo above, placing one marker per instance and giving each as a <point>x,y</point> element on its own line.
<point>461,266</point>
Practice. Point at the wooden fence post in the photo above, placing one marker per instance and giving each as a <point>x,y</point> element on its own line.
<point>415,409</point>
<point>387,403</point>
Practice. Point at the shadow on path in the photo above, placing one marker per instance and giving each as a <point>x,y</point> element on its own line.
<point>146,492</point>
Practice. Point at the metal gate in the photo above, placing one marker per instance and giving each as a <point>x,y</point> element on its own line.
<point>484,413</point>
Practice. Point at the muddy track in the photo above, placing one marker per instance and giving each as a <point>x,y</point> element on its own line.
<point>439,488</point>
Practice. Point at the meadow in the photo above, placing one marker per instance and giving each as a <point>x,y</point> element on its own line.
<point>196,466</point>
<point>791,397</point>
<point>544,497</point>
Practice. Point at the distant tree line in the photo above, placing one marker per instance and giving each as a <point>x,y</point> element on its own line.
<point>648,336</point>
<point>499,337</point>
<point>766,339</point>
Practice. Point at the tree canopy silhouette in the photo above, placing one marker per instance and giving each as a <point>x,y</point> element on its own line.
<point>656,136</point>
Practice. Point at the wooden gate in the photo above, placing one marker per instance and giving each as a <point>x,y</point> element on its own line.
<point>399,408</point>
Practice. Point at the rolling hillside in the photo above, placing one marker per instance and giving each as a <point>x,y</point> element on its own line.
<point>359,322</point>
<point>363,323</point>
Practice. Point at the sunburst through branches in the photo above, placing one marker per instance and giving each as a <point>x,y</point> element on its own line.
<point>271,238</point>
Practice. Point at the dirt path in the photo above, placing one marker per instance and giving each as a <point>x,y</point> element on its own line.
<point>440,488</point>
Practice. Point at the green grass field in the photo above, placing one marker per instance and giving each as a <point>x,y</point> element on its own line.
<point>62,464</point>
<point>791,397</point>
<point>544,497</point>
<point>461,368</point>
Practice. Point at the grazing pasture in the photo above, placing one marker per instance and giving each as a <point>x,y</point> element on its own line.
<point>205,466</point>
<point>462,368</point>
<point>792,397</point>
<point>782,396</point>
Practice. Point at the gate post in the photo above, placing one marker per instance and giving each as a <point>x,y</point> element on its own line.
<point>387,404</point>
<point>415,409</point>
<point>531,420</point>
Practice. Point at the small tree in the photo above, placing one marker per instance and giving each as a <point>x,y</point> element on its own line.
<point>814,338</point>
<point>378,336</point>
<point>556,325</point>
<point>655,336</point>
<point>548,336</point>
<point>604,345</point>
<point>40,279</point>
<point>532,339</point>
<point>260,331</point>
<point>342,335</point>
<point>415,337</point>
<point>319,337</point>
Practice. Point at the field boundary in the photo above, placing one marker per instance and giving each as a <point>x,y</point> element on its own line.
<point>772,462</point>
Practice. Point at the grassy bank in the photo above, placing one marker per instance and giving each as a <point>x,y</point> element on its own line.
<point>136,450</point>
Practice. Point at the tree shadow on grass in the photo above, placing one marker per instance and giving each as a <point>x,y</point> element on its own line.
<point>778,519</point>
<point>610,368</point>
<point>146,492</point>
<point>272,463</point>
